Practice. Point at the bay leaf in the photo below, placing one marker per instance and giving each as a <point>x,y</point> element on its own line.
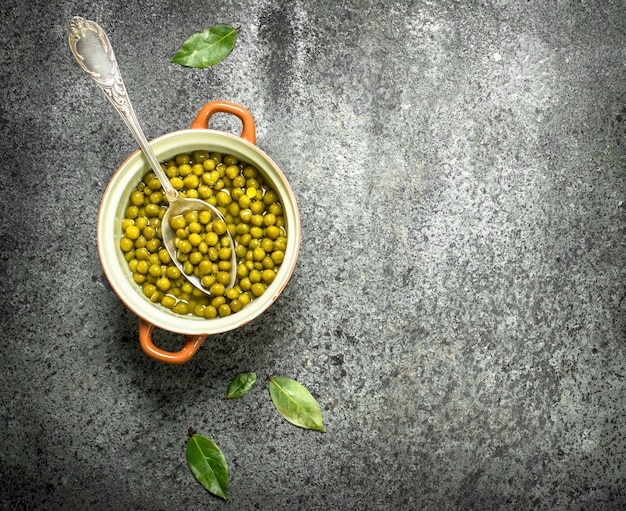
<point>208,464</point>
<point>295,403</point>
<point>240,385</point>
<point>207,48</point>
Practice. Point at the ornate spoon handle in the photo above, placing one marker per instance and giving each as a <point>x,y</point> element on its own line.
<point>92,50</point>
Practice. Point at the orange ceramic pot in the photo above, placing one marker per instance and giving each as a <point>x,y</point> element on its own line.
<point>112,213</point>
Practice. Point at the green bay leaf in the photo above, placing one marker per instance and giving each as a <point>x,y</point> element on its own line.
<point>207,48</point>
<point>295,403</point>
<point>240,385</point>
<point>208,464</point>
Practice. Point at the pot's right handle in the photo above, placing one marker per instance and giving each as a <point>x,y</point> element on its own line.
<point>192,345</point>
<point>248,131</point>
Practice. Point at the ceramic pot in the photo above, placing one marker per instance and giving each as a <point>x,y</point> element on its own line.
<point>112,213</point>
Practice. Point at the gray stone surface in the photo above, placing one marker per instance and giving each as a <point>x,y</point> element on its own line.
<point>459,304</point>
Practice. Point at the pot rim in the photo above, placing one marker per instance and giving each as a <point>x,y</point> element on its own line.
<point>113,202</point>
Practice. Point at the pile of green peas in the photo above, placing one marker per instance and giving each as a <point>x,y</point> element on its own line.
<point>253,215</point>
<point>203,247</point>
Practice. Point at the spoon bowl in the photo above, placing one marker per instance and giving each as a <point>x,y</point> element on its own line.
<point>91,48</point>
<point>180,207</point>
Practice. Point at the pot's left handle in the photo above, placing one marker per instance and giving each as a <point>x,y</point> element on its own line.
<point>248,130</point>
<point>192,345</point>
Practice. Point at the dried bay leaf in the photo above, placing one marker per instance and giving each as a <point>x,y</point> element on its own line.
<point>295,403</point>
<point>240,385</point>
<point>208,464</point>
<point>206,48</point>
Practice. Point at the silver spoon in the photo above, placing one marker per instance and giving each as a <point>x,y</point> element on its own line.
<point>92,50</point>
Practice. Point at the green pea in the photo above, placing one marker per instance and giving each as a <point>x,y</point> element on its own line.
<point>199,310</point>
<point>181,308</point>
<point>232,293</point>
<point>137,198</point>
<point>177,183</point>
<point>153,245</point>
<point>139,278</point>
<point>154,270</point>
<point>143,266</point>
<point>178,222</point>
<point>270,197</point>
<point>207,280</point>
<point>258,254</point>
<point>236,305</point>
<point>268,276</point>
<point>256,232</point>
<point>224,310</point>
<point>168,301</point>
<point>191,216</point>
<point>156,197</point>
<point>278,256</point>
<point>140,242</point>
<point>217,289</point>
<point>219,227</point>
<point>191,181</point>
<point>245,201</point>
<point>195,258</point>
<point>205,266</point>
<point>172,273</point>
<point>152,210</point>
<point>149,232</point>
<point>223,277</point>
<point>164,256</point>
<point>132,212</point>
<point>240,251</point>
<point>255,276</point>
<point>272,232</point>
<point>280,243</point>
<point>148,289</point>
<point>126,244</point>
<point>204,217</point>
<point>217,301</point>
<point>257,289</point>
<point>200,156</point>
<point>184,170</point>
<point>185,246</point>
<point>132,232</point>
<point>257,207</point>
<point>269,219</point>
<point>194,239</point>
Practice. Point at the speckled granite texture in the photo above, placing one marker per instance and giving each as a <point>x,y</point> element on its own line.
<point>459,304</point>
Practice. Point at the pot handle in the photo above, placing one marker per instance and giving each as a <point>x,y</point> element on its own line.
<point>192,345</point>
<point>248,131</point>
